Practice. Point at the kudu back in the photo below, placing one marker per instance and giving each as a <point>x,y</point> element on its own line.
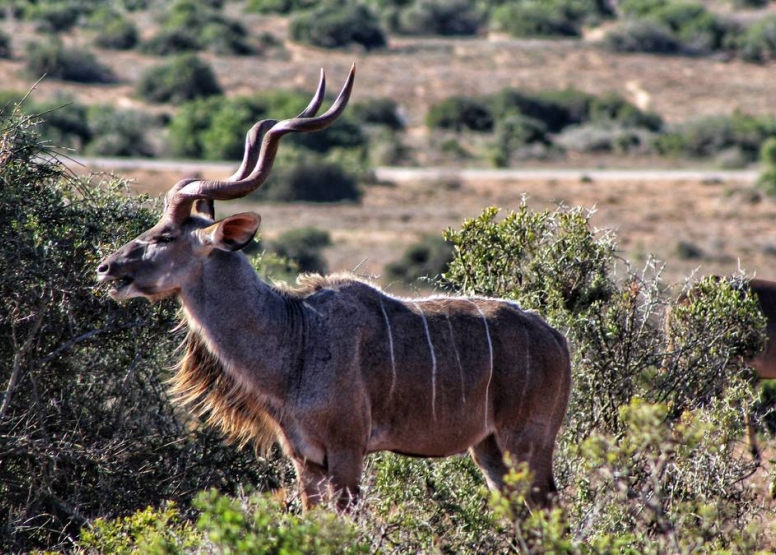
<point>337,369</point>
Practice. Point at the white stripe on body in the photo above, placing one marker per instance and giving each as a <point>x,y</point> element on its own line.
<point>433,360</point>
<point>458,358</point>
<point>490,353</point>
<point>390,345</point>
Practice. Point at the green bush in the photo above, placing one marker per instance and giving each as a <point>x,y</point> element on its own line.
<point>113,31</point>
<point>311,180</point>
<point>533,18</point>
<point>696,28</point>
<point>5,46</point>
<point>168,42</point>
<point>439,17</point>
<point>53,16</point>
<point>642,36</point>
<point>64,123</point>
<point>118,132</point>
<point>758,42</point>
<point>188,25</point>
<point>639,8</point>
<point>426,259</point>
<point>378,111</point>
<point>260,524</point>
<point>214,128</point>
<point>708,136</point>
<point>151,530</point>
<point>513,134</point>
<point>280,6</point>
<point>458,113</point>
<point>302,246</point>
<point>184,78</point>
<point>54,60</point>
<point>337,25</point>
<point>606,137</point>
<point>656,410</point>
<point>767,179</point>
<point>87,429</point>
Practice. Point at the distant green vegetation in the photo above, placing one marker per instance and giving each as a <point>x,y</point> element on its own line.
<point>427,259</point>
<point>185,77</point>
<point>51,58</point>
<point>336,25</point>
<point>113,30</point>
<point>189,25</point>
<point>303,247</point>
<point>675,27</point>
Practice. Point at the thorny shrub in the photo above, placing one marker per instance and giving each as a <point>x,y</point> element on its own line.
<point>86,428</point>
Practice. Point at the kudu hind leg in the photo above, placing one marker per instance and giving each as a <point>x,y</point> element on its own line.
<point>488,456</point>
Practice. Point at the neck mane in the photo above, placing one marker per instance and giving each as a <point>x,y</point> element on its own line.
<point>201,382</point>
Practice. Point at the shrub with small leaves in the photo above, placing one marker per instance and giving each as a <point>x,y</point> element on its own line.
<point>53,59</point>
<point>535,19</point>
<point>708,136</point>
<point>259,524</point>
<point>5,46</point>
<point>426,259</point>
<point>642,36</point>
<point>87,428</point>
<point>766,182</point>
<point>758,43</point>
<point>458,113</point>
<point>302,247</point>
<point>54,16</point>
<point>378,111</point>
<point>439,17</point>
<point>312,180</point>
<point>338,25</point>
<point>189,26</point>
<point>113,31</point>
<point>184,78</point>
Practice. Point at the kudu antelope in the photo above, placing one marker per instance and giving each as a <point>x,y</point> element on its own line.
<point>336,368</point>
<point>764,363</point>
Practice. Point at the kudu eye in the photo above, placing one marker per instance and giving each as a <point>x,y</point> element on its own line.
<point>164,239</point>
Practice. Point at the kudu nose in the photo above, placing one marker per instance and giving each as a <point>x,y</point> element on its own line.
<point>102,268</point>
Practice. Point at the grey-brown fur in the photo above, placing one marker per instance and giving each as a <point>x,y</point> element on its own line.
<point>337,369</point>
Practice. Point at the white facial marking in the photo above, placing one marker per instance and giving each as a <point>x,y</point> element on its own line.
<point>490,355</point>
<point>433,361</point>
<point>390,346</point>
<point>458,358</point>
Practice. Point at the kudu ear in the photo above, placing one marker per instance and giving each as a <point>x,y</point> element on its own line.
<point>232,233</point>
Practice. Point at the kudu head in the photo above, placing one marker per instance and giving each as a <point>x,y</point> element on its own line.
<point>159,262</point>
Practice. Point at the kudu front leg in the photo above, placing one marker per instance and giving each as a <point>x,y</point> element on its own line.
<point>339,480</point>
<point>313,482</point>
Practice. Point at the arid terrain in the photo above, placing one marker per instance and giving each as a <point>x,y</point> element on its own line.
<point>716,225</point>
<point>693,225</point>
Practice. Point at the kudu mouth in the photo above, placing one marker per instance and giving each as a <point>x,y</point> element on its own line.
<point>119,284</point>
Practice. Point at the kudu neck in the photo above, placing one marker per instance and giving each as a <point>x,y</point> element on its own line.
<point>246,323</point>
